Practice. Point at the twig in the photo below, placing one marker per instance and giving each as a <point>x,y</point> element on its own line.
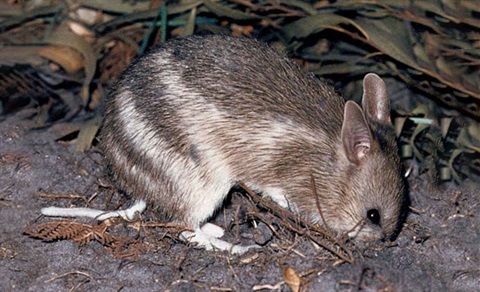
<point>59,196</point>
<point>69,273</point>
<point>315,194</point>
<point>167,225</point>
<point>268,286</point>
<point>286,218</point>
<point>177,228</point>
<point>389,286</point>
<point>214,288</point>
<point>235,275</point>
<point>269,223</point>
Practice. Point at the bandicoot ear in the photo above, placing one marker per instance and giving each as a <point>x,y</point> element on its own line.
<point>375,98</point>
<point>356,136</point>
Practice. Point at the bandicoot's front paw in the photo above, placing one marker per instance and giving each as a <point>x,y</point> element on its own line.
<point>208,237</point>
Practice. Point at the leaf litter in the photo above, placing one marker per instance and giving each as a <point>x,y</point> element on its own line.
<point>433,48</point>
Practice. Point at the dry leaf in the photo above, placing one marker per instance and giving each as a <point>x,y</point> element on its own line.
<point>293,280</point>
<point>69,59</point>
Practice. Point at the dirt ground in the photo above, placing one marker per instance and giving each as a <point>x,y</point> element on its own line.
<point>437,250</point>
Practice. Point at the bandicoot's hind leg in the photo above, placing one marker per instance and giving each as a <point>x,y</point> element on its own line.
<point>128,214</point>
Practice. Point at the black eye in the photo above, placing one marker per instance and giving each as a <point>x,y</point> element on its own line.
<point>374,216</point>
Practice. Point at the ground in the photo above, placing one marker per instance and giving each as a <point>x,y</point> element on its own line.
<point>438,249</point>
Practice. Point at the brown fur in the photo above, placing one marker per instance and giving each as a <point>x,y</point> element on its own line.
<point>220,105</point>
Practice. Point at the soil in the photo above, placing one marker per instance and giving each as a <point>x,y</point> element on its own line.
<point>438,248</point>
